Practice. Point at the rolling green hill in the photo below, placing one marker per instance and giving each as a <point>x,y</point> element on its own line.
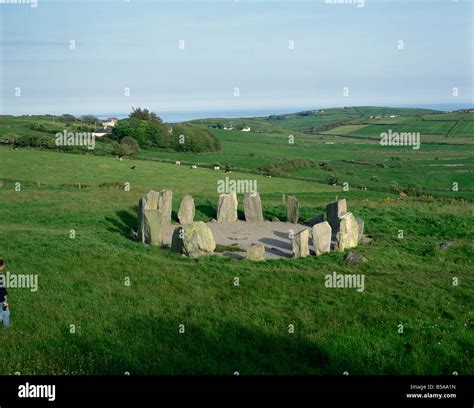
<point>134,328</point>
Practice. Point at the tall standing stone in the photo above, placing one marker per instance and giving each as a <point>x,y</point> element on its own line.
<point>293,210</point>
<point>227,208</point>
<point>253,207</point>
<point>322,233</point>
<point>300,245</point>
<point>151,200</point>
<point>186,210</point>
<point>193,240</point>
<point>334,211</point>
<point>165,204</point>
<point>348,234</point>
<point>150,227</point>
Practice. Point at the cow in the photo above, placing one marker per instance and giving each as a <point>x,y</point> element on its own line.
<point>194,166</point>
<point>217,168</point>
<point>178,163</point>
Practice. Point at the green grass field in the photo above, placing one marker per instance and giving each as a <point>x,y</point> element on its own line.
<point>135,328</point>
<point>228,328</point>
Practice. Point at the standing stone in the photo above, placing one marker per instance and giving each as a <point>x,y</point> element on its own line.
<point>256,252</point>
<point>315,220</point>
<point>334,211</point>
<point>151,200</point>
<point>360,224</point>
<point>227,208</point>
<point>150,227</point>
<point>322,233</point>
<point>193,240</point>
<point>186,210</point>
<point>348,234</point>
<point>165,204</point>
<point>300,245</point>
<point>253,207</point>
<point>293,210</point>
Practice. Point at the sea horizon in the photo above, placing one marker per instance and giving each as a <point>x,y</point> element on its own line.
<point>175,116</point>
<point>187,115</point>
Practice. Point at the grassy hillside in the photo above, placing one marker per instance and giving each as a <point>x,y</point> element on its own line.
<point>134,328</point>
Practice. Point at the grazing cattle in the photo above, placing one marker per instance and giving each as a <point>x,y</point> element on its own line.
<point>178,163</point>
<point>228,171</point>
<point>217,168</point>
<point>194,166</point>
<point>269,176</point>
<point>364,188</point>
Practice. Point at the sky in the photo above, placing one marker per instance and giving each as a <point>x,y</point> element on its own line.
<point>232,54</point>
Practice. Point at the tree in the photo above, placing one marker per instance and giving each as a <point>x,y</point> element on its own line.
<point>68,118</point>
<point>90,119</point>
<point>145,114</point>
<point>129,146</point>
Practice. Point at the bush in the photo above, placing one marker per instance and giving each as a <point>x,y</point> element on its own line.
<point>9,138</point>
<point>332,179</point>
<point>129,146</point>
<point>326,166</point>
<point>376,179</point>
<point>192,138</point>
<point>393,186</point>
<point>414,189</point>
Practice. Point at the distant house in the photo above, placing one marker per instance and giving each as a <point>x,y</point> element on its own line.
<point>111,122</point>
<point>246,129</point>
<point>101,132</point>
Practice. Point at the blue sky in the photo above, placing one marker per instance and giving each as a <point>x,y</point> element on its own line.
<point>231,44</point>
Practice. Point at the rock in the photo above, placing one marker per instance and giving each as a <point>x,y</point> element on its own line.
<point>299,244</point>
<point>256,252</point>
<point>150,227</point>
<point>354,259</point>
<point>253,207</point>
<point>193,240</point>
<point>348,234</point>
<point>151,200</point>
<point>275,219</point>
<point>446,245</point>
<point>227,208</point>
<point>293,210</point>
<point>366,239</point>
<point>322,233</point>
<point>186,210</point>
<point>315,220</point>
<point>360,225</point>
<point>213,220</point>
<point>334,211</point>
<point>155,200</point>
<point>165,204</point>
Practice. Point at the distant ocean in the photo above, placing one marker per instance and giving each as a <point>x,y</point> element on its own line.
<point>183,116</point>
